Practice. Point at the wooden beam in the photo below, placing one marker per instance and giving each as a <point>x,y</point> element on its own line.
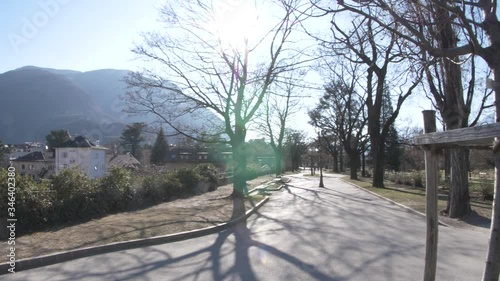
<point>478,135</point>
<point>431,198</point>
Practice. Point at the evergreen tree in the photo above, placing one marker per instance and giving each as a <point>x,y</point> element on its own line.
<point>131,138</point>
<point>56,138</point>
<point>393,150</point>
<point>392,145</point>
<point>160,148</point>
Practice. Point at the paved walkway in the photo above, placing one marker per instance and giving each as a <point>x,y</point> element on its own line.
<point>302,233</point>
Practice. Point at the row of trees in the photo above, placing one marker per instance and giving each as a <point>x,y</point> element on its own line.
<point>132,138</point>
<point>387,53</point>
<point>438,42</point>
<point>287,148</point>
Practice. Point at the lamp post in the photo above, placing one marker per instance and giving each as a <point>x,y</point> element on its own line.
<point>311,161</point>
<point>320,162</point>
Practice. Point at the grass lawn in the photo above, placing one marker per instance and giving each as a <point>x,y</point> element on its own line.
<point>415,197</point>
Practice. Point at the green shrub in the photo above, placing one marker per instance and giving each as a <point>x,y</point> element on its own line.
<point>86,203</point>
<point>408,180</point>
<point>487,191</point>
<point>151,191</point>
<point>209,174</point>
<point>116,187</point>
<point>160,187</point>
<point>189,178</point>
<point>77,197</point>
<point>391,176</point>
<point>33,204</point>
<point>68,182</point>
<point>399,179</point>
<point>254,170</point>
<point>418,180</point>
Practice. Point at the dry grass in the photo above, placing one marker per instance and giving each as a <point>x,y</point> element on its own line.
<point>415,199</point>
<point>171,217</point>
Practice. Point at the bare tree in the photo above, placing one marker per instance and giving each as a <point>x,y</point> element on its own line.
<point>381,53</point>
<point>469,21</point>
<point>330,143</point>
<point>452,98</point>
<point>279,107</point>
<point>295,147</point>
<point>341,112</point>
<point>206,59</point>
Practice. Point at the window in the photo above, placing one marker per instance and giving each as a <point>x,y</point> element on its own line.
<point>65,154</point>
<point>32,167</point>
<point>23,167</point>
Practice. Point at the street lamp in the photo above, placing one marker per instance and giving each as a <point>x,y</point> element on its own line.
<point>320,162</point>
<point>311,160</point>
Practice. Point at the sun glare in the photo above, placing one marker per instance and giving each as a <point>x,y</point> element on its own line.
<point>234,25</point>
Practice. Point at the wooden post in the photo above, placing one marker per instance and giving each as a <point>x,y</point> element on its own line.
<point>492,269</point>
<point>431,197</point>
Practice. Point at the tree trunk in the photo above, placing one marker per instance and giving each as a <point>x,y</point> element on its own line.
<point>335,156</point>
<point>363,164</point>
<point>311,165</point>
<point>458,199</point>
<point>447,166</point>
<point>278,162</point>
<point>240,188</point>
<point>341,160</point>
<point>354,164</point>
<point>378,162</point>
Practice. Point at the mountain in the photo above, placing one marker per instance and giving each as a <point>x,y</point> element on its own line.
<point>105,86</point>
<point>36,100</point>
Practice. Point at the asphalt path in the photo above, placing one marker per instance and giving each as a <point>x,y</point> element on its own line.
<point>303,233</point>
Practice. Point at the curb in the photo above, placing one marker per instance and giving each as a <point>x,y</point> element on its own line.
<point>50,259</point>
<point>264,186</point>
<point>394,202</point>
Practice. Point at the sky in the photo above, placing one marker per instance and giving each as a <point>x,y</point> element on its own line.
<point>92,34</point>
<point>73,34</point>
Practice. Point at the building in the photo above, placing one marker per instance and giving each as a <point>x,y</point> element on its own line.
<point>35,164</point>
<point>197,155</point>
<point>127,161</point>
<point>14,151</point>
<point>90,158</point>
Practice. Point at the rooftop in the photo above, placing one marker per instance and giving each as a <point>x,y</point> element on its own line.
<point>81,141</point>
<point>31,157</point>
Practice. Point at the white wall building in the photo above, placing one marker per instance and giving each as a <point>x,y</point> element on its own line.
<point>90,158</point>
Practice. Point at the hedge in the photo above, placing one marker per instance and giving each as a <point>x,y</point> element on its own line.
<point>71,197</point>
